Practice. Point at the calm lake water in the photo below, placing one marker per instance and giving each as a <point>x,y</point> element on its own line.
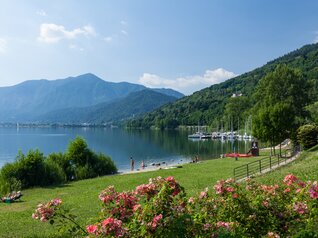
<point>171,147</point>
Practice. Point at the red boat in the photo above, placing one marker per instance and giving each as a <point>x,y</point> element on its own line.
<point>238,155</point>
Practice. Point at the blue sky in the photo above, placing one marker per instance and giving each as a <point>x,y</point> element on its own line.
<point>185,45</point>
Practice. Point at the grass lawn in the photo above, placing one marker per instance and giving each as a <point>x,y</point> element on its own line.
<point>305,168</point>
<point>82,196</point>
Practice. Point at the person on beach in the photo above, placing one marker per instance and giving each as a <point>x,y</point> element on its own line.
<point>142,164</point>
<point>132,163</point>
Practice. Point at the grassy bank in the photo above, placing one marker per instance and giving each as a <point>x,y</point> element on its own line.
<point>82,196</point>
<point>305,168</point>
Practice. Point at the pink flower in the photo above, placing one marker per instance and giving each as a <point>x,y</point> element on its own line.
<point>300,208</point>
<point>207,226</point>
<point>287,190</point>
<point>218,187</point>
<point>235,195</point>
<point>44,212</point>
<point>137,208</point>
<point>170,179</point>
<point>269,189</point>
<point>271,234</point>
<point>92,229</point>
<point>107,221</point>
<point>230,189</point>
<point>108,195</point>
<point>155,221</point>
<point>112,227</point>
<point>204,194</point>
<point>290,179</point>
<point>298,190</point>
<point>56,201</point>
<point>226,225</point>
<point>191,200</point>
<point>313,190</point>
<point>265,203</point>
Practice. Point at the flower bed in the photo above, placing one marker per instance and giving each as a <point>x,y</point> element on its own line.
<point>161,209</point>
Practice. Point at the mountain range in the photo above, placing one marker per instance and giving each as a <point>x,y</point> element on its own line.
<point>77,99</point>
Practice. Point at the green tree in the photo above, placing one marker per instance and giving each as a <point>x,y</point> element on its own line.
<point>235,110</point>
<point>313,111</point>
<point>78,152</point>
<point>308,136</point>
<point>281,97</point>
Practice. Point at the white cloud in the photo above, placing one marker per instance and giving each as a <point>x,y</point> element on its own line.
<point>124,32</point>
<point>41,13</point>
<point>124,23</point>
<point>75,47</point>
<point>189,84</point>
<point>108,39</point>
<point>52,33</point>
<point>3,45</point>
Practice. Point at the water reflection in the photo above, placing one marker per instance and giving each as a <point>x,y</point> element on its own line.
<point>149,145</point>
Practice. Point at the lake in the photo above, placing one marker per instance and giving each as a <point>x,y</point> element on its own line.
<point>152,146</point>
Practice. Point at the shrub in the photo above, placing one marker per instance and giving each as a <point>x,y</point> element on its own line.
<point>54,173</point>
<point>86,163</point>
<point>62,161</point>
<point>104,165</point>
<point>161,209</point>
<point>308,135</point>
<point>33,169</point>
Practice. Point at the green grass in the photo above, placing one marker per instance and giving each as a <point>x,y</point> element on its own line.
<point>305,168</point>
<point>82,196</point>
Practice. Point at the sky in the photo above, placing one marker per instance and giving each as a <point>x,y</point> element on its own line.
<point>185,45</point>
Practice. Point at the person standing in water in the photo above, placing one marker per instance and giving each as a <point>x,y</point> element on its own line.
<point>132,163</point>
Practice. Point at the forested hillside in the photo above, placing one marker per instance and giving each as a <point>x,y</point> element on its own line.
<point>213,105</point>
<point>135,104</point>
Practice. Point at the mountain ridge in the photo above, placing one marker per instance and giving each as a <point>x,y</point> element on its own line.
<point>32,98</point>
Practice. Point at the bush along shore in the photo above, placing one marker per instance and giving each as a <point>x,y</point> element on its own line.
<point>34,169</point>
<point>161,209</point>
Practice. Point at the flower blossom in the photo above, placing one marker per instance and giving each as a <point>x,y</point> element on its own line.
<point>191,200</point>
<point>313,190</point>
<point>226,225</point>
<point>46,211</point>
<point>269,189</point>
<point>92,229</point>
<point>271,234</point>
<point>204,194</point>
<point>112,227</point>
<point>155,221</point>
<point>290,179</point>
<point>300,207</point>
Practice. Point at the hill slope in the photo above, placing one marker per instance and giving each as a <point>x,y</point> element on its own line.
<point>136,103</point>
<point>207,106</point>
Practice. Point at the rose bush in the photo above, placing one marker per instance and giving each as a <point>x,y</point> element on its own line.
<point>161,209</point>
